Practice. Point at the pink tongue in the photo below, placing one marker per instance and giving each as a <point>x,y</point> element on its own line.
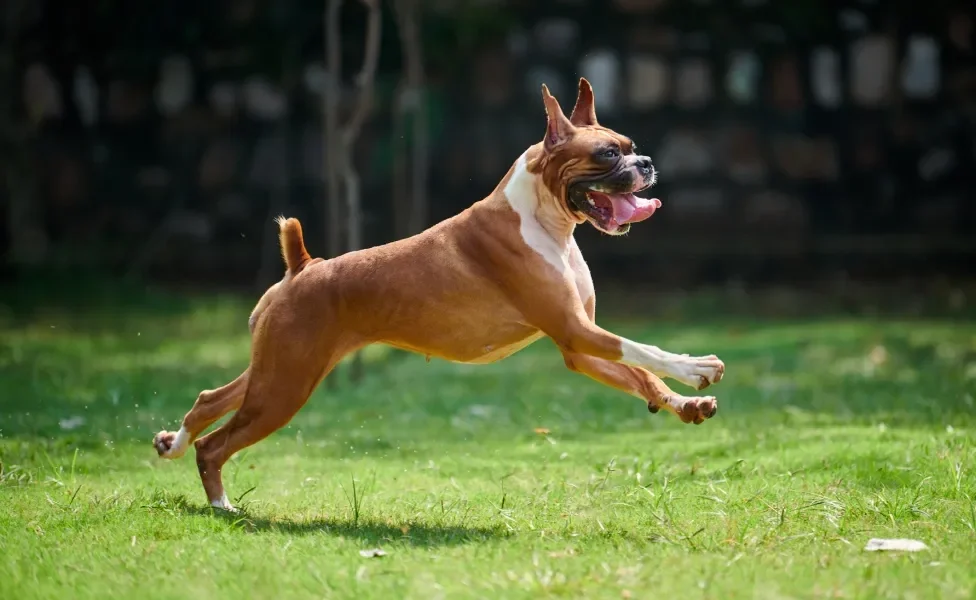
<point>628,208</point>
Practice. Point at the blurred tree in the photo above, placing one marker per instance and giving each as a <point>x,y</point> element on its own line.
<point>340,170</point>
<point>410,134</point>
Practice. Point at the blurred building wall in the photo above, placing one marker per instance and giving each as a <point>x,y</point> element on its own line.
<point>792,138</point>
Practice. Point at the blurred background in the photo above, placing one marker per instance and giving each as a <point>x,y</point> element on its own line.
<point>817,164</point>
<point>803,143</point>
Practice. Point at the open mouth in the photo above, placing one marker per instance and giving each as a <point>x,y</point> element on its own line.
<point>612,211</point>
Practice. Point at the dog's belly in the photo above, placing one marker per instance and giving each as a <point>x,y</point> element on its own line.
<point>496,352</point>
<point>471,343</point>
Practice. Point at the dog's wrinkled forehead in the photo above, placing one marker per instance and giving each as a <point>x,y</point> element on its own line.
<point>596,139</point>
<point>592,153</point>
<point>578,144</point>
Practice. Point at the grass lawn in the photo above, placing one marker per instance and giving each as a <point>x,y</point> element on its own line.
<point>515,480</point>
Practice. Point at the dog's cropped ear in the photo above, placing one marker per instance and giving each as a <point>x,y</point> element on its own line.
<point>584,113</point>
<point>558,130</point>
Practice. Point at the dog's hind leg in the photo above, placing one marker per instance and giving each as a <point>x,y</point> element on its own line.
<point>271,400</point>
<point>210,406</point>
<point>284,371</point>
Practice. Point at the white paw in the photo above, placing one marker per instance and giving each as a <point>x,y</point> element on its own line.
<point>172,445</point>
<point>223,503</point>
<point>699,372</point>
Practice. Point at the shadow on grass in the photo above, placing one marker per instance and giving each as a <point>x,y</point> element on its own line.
<point>371,534</point>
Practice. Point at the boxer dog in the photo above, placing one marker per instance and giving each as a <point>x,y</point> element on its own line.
<point>474,288</point>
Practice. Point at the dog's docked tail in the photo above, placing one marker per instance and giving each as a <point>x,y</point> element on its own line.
<point>292,244</point>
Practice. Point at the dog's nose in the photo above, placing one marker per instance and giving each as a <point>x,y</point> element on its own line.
<point>644,164</point>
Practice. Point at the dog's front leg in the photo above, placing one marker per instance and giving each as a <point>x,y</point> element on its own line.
<point>578,335</point>
<point>644,385</point>
<point>698,372</point>
<point>554,307</point>
<point>639,382</point>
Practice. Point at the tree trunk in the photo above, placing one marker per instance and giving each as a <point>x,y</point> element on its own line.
<point>401,194</point>
<point>330,139</point>
<point>331,143</point>
<point>354,229</point>
<point>414,101</point>
<point>364,104</point>
<point>340,144</point>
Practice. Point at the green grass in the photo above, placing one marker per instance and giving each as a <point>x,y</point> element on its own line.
<point>829,433</point>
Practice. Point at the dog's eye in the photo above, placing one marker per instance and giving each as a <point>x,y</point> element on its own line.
<point>610,153</point>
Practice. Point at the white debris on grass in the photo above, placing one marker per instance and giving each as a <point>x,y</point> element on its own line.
<point>895,545</point>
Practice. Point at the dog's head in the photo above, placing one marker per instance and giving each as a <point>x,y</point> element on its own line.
<point>593,171</point>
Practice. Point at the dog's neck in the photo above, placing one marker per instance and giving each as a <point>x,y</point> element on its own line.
<point>528,195</point>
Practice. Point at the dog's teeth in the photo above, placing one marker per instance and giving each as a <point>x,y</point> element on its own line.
<point>590,200</point>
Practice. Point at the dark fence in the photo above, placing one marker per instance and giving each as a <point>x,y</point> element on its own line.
<point>793,137</point>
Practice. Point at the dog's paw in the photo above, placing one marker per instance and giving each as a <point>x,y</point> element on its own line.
<point>693,410</point>
<point>171,444</point>
<point>700,372</point>
<point>223,503</point>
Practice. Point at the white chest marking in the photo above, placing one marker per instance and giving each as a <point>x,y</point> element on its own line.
<point>584,282</point>
<point>520,191</point>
